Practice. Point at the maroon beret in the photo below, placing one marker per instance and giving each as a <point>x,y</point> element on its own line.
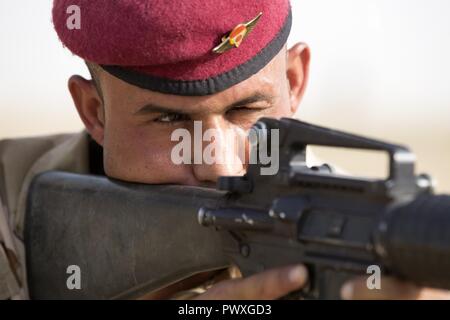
<point>183,47</point>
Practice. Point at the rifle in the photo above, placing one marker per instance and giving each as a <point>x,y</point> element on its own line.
<point>129,239</point>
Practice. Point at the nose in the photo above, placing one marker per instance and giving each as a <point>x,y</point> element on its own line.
<point>224,150</point>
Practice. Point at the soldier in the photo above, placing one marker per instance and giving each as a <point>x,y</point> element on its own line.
<point>158,65</point>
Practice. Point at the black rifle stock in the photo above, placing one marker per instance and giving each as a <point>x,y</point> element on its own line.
<point>129,238</point>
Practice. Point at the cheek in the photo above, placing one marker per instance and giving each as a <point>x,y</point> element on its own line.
<point>141,155</point>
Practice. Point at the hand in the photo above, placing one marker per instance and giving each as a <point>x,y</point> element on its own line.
<point>391,289</point>
<point>268,285</point>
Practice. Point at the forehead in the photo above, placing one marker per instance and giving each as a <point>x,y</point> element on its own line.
<point>268,81</point>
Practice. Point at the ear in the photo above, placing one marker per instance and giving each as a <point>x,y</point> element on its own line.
<point>297,73</point>
<point>89,106</point>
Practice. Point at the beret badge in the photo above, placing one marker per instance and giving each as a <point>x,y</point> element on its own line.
<point>237,35</point>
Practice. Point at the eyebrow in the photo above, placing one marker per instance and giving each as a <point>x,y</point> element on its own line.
<point>153,108</point>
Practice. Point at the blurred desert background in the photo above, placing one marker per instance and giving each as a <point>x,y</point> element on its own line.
<point>380,68</point>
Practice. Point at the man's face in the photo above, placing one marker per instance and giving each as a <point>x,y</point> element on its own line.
<point>135,125</point>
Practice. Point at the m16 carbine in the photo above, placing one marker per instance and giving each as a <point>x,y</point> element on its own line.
<point>129,239</point>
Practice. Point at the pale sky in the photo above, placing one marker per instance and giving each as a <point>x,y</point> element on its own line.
<point>379,67</point>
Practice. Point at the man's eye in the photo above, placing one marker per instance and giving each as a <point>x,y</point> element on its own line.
<point>237,109</point>
<point>170,118</point>
<point>245,110</point>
